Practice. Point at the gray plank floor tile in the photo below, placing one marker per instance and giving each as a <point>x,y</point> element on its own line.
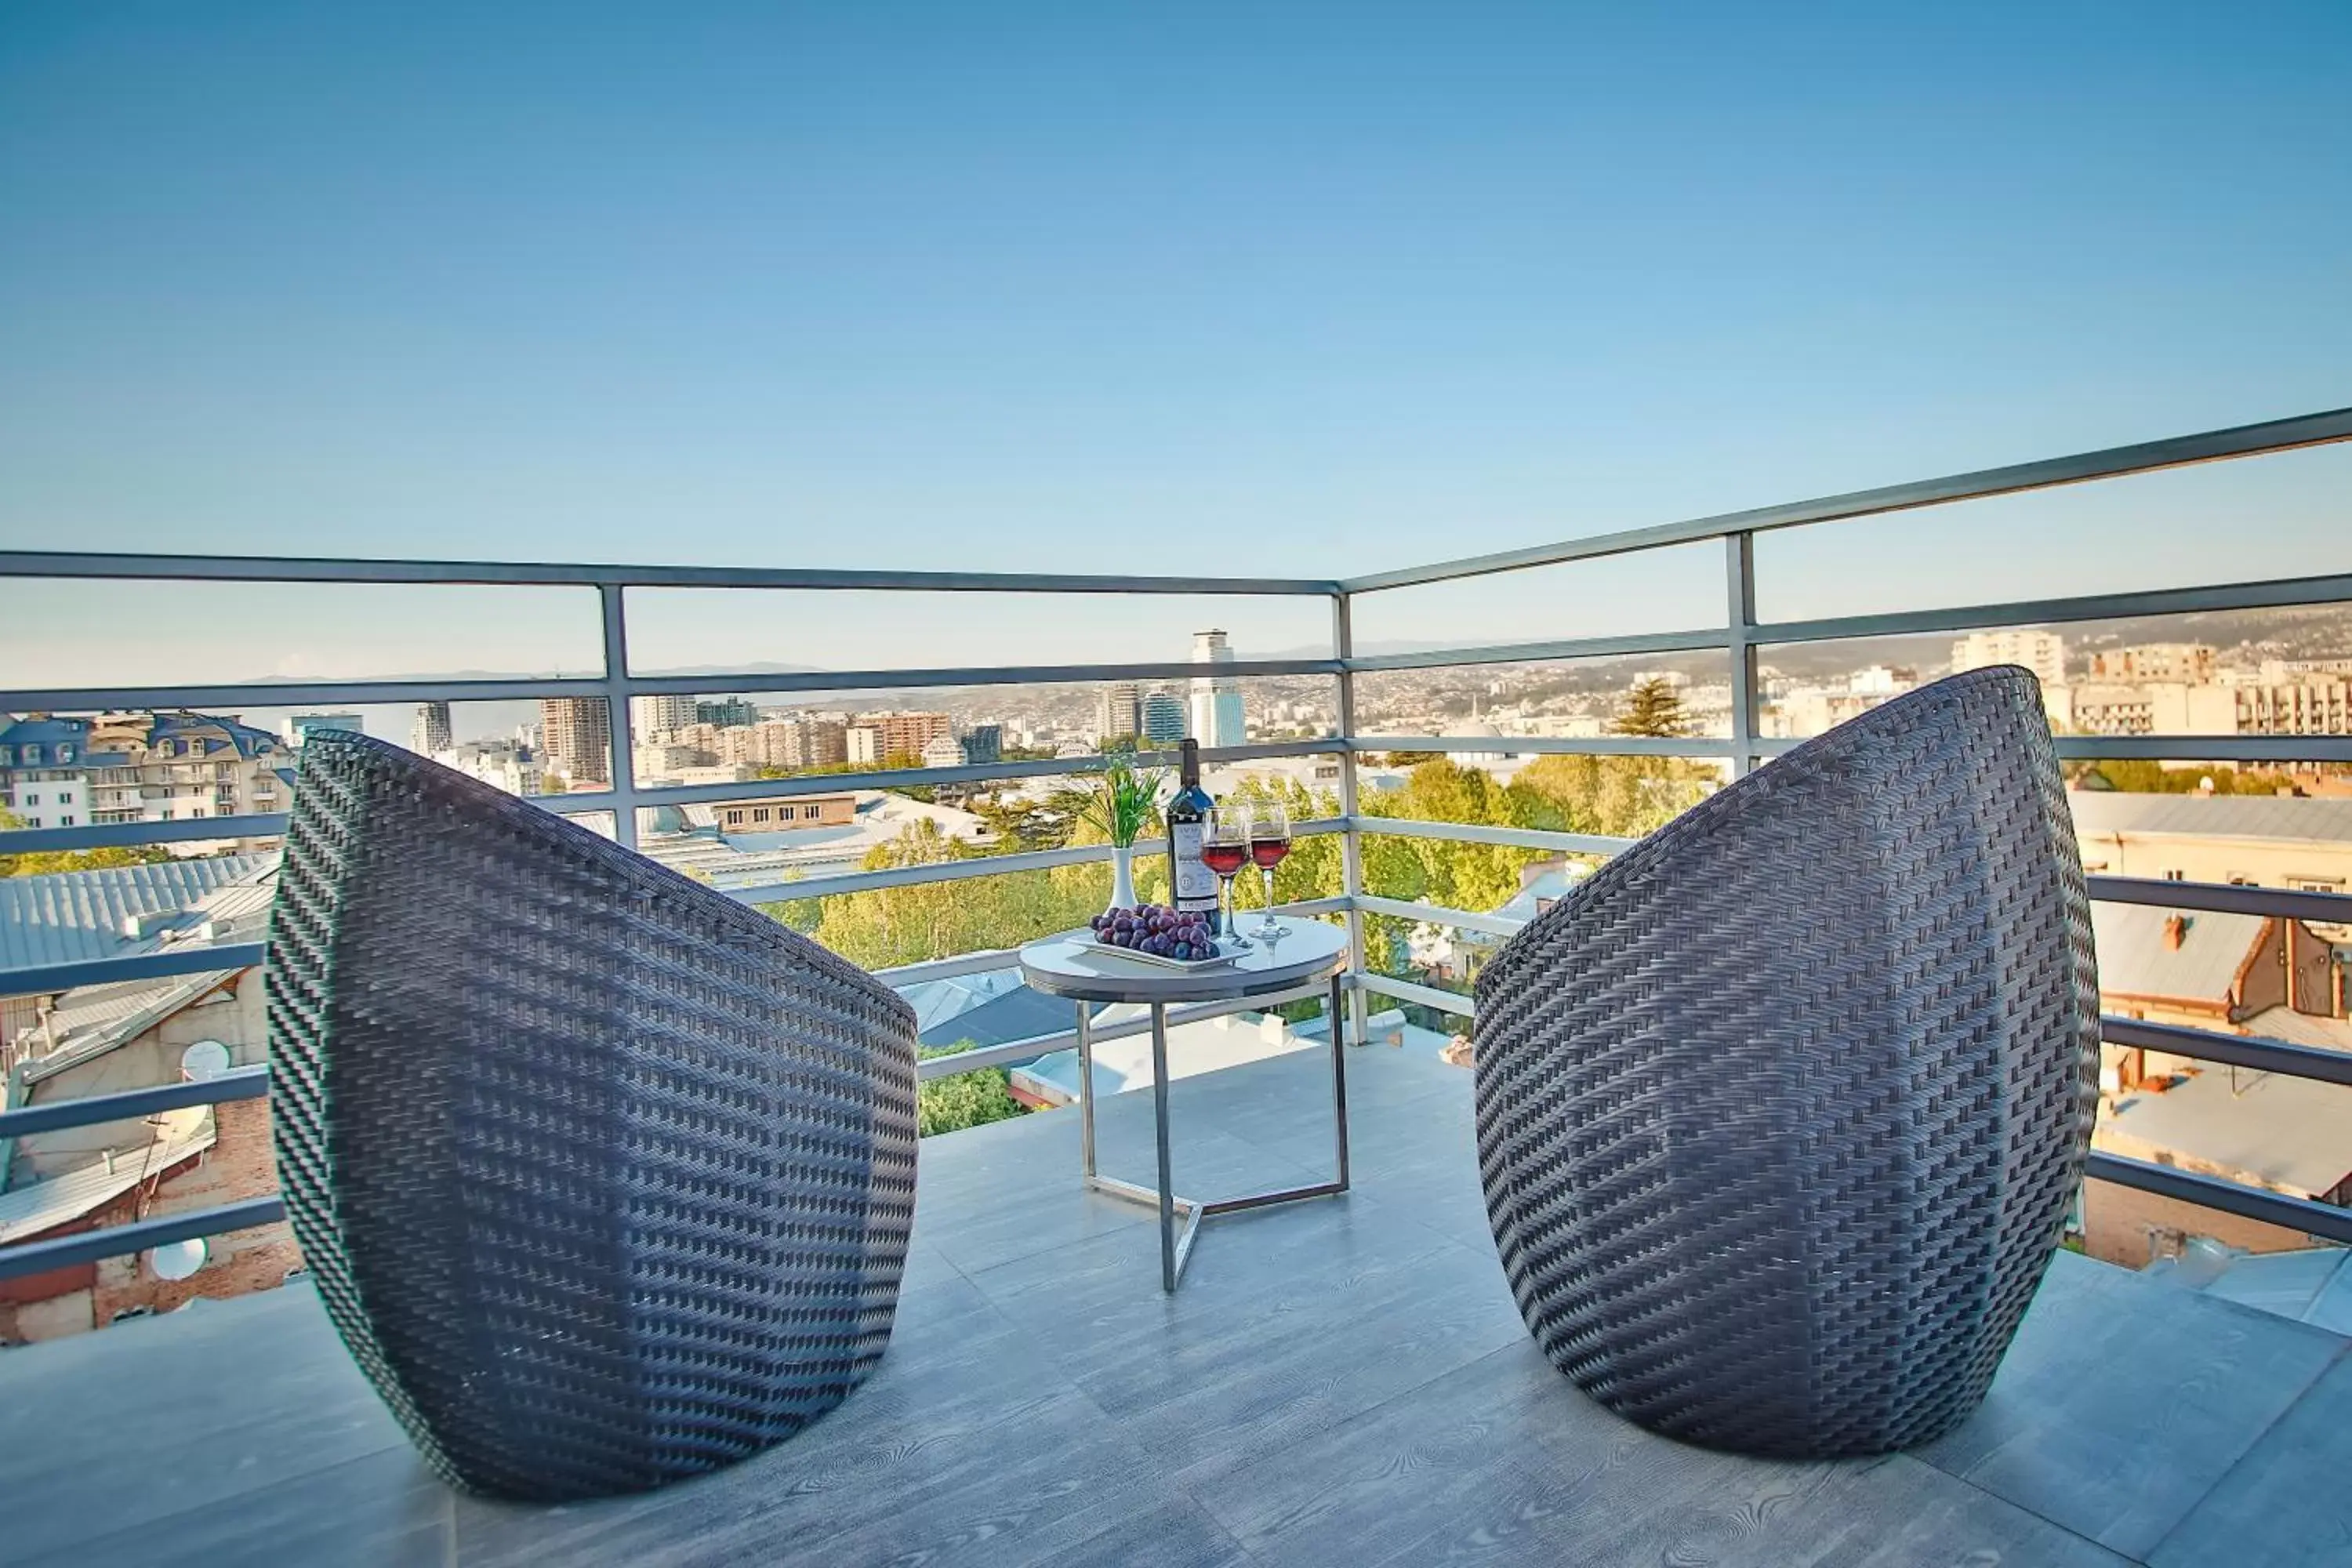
<point>154,1398</point>
<point>2124,1400</point>
<point>1341,1381</point>
<point>384,1510</point>
<point>2288,1502</point>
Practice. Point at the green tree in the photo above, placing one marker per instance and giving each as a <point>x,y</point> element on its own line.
<point>970,1098</point>
<point>47,862</point>
<point>1654,708</point>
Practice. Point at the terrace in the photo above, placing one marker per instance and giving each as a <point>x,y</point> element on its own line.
<point>1339,1381</point>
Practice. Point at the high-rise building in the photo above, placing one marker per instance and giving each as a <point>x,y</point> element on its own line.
<point>1163,718</point>
<point>1217,699</point>
<point>2044,653</point>
<point>430,733</point>
<point>576,735</point>
<point>650,717</point>
<point>985,743</point>
<point>724,712</point>
<point>944,751</point>
<point>874,738</point>
<point>1119,713</point>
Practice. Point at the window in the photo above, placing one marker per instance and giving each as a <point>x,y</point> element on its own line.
<point>2240,879</point>
<point>2315,884</point>
<point>32,800</point>
<point>167,814</point>
<point>196,811</point>
<point>32,756</point>
<point>65,822</point>
<point>8,755</point>
<point>65,754</point>
<point>2176,876</point>
<point>760,814</point>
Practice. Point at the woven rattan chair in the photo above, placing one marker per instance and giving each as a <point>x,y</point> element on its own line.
<point>605,1179</point>
<point>1779,1113</point>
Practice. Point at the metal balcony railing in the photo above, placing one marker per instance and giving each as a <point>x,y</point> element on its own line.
<point>1738,638</point>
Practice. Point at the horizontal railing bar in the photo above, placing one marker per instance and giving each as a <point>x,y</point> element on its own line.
<point>2163,748</point>
<point>366,693</point>
<point>1480,833</point>
<point>1406,991</point>
<point>1551,745</point>
<point>1534,652</point>
<point>2206,748</point>
<point>220,696</point>
<point>813,680</point>
<point>2215,1193</point>
<point>237,1083</point>
<point>2229,899</point>
<point>26,1259</point>
<point>970,772</point>
<point>1439,914</point>
<point>109,834</point>
<point>41,979</point>
<point>2266,596</point>
<point>277,569</point>
<point>904,974</point>
<point>1023,1050</point>
<point>957,871</point>
<point>2255,1051</point>
<point>989,959</point>
<point>580,803</point>
<point>2112,462</point>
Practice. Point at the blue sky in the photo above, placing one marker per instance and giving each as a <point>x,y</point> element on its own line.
<point>1194,287</point>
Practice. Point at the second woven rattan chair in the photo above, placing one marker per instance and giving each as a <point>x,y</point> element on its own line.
<point>604,1178</point>
<point>1779,1113</point>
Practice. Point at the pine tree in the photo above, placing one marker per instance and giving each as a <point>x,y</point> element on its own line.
<point>1655,708</point>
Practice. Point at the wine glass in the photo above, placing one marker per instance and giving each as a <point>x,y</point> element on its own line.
<point>1269,841</point>
<point>1225,849</point>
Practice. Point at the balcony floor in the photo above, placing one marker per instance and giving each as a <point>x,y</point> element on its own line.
<point>1340,1382</point>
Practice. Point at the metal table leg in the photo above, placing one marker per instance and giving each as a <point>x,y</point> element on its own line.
<point>1175,1240</point>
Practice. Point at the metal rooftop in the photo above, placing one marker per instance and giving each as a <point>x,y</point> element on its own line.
<point>1343,1381</point>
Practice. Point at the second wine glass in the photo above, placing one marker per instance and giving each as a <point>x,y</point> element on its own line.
<point>1269,841</point>
<point>1225,849</point>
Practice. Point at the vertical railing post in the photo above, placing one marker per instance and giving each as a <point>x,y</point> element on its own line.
<point>616,712</point>
<point>1351,847</point>
<point>1739,619</point>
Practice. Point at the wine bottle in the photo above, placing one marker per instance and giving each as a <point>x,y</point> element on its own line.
<point>1193,886</point>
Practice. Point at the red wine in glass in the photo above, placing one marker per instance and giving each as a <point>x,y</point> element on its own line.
<point>1269,841</point>
<point>1226,860</point>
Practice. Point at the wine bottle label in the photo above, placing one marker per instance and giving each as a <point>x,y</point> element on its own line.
<point>1196,885</point>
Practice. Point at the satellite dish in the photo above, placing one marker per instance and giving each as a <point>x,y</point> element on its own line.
<point>204,1060</point>
<point>180,1259</point>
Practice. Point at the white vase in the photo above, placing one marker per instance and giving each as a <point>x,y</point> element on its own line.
<point>1122,876</point>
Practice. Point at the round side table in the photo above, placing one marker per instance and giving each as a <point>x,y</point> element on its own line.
<point>1310,951</point>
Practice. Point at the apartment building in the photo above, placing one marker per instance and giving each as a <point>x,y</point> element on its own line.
<point>651,718</point>
<point>141,767</point>
<point>2044,653</point>
<point>430,735</point>
<point>2190,663</point>
<point>576,737</point>
<point>1118,712</point>
<point>874,737</point>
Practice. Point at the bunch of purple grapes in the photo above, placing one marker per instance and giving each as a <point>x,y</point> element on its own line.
<point>1156,929</point>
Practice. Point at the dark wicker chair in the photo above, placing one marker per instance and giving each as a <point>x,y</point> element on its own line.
<point>604,1178</point>
<point>1780,1112</point>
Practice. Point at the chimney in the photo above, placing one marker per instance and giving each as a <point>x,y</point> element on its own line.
<point>2176,927</point>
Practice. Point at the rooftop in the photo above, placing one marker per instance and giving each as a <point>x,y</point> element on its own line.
<point>73,916</point>
<point>2312,820</point>
<point>1338,1382</point>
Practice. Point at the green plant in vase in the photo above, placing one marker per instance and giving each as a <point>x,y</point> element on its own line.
<point>1123,807</point>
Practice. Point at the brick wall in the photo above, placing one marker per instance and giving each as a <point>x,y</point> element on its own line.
<point>240,1165</point>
